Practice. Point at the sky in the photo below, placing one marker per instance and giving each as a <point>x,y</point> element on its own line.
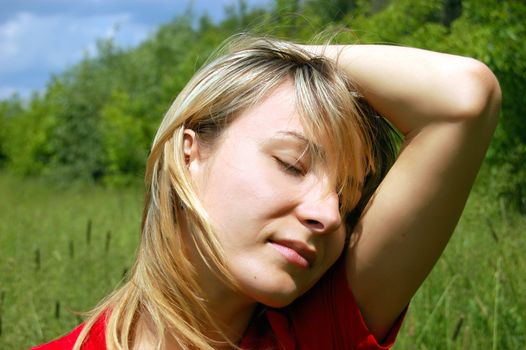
<point>43,37</point>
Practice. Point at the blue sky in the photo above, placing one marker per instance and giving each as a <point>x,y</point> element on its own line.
<point>41,37</point>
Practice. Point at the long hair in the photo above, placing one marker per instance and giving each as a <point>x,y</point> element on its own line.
<point>162,282</point>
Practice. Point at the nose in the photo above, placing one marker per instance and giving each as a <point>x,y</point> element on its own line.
<point>319,209</point>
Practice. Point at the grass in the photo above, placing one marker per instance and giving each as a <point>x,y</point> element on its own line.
<point>51,264</point>
<point>475,297</point>
<point>62,249</point>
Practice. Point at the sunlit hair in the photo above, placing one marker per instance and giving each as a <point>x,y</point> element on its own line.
<point>162,283</point>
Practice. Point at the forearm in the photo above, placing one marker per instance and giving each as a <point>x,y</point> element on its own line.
<point>447,107</point>
<point>413,87</point>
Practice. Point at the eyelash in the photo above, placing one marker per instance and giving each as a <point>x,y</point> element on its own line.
<point>289,168</point>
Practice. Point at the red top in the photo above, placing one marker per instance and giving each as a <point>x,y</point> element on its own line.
<point>326,317</point>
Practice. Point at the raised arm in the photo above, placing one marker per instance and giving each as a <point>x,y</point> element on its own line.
<point>447,108</point>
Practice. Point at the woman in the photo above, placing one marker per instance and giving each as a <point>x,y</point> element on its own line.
<point>265,224</point>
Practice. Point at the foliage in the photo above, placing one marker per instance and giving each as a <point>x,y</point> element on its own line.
<point>125,139</point>
<point>9,109</point>
<point>26,134</point>
<point>490,31</point>
<point>95,121</point>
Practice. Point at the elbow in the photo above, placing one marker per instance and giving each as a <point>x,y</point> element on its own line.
<point>479,94</point>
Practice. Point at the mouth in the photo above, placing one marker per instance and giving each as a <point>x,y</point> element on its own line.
<point>295,252</point>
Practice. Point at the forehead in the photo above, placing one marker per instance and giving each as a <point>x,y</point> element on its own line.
<point>275,114</point>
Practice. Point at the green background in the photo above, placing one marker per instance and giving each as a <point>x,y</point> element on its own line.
<point>72,160</point>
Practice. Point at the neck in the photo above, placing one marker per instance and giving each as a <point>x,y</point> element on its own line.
<point>230,311</point>
<point>228,307</point>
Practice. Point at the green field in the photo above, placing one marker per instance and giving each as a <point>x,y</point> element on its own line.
<point>62,249</point>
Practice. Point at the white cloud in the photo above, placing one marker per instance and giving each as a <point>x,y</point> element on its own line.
<point>52,42</point>
<point>42,37</point>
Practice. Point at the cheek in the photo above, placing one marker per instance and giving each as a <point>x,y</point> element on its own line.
<point>248,183</point>
<point>234,190</point>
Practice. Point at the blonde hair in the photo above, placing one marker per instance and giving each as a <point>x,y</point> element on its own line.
<point>162,283</point>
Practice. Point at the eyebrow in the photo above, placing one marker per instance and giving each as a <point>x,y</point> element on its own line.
<point>311,144</point>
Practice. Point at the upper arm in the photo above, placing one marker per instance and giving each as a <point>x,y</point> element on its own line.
<point>409,220</point>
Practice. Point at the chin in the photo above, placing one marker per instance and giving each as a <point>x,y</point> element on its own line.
<point>271,284</point>
<point>276,293</point>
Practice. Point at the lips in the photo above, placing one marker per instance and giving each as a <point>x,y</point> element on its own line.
<point>295,252</point>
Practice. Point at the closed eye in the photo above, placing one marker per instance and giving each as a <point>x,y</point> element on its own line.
<point>290,168</point>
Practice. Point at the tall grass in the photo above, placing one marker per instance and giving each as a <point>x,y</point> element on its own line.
<point>55,257</point>
<point>475,297</point>
<point>62,249</point>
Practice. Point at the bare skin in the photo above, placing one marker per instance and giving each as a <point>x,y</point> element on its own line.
<point>445,106</point>
<point>257,206</point>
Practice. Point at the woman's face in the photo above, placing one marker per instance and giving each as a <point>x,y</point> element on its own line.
<point>276,214</point>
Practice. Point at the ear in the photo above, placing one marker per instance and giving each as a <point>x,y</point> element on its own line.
<point>190,148</point>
